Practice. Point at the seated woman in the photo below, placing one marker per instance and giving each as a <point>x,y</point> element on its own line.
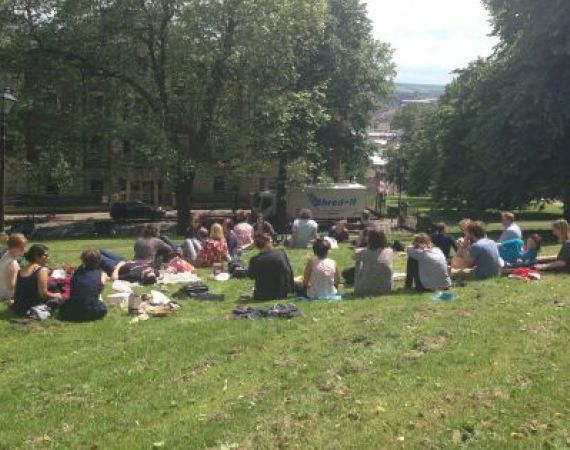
<point>427,266</point>
<point>118,268</point>
<point>339,232</point>
<point>322,277</point>
<point>244,231</point>
<point>262,226</point>
<point>9,266</point>
<point>215,249</point>
<point>271,271</point>
<point>560,262</point>
<point>462,257</point>
<point>192,245</point>
<point>32,281</point>
<point>151,248</point>
<point>87,283</point>
<point>374,269</point>
<point>231,238</point>
<point>304,230</point>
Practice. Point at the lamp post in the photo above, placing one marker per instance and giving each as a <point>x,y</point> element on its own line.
<point>401,173</point>
<point>7,101</point>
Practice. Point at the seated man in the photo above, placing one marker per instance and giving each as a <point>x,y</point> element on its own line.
<point>271,271</point>
<point>484,258</point>
<point>511,231</point>
<point>132,271</point>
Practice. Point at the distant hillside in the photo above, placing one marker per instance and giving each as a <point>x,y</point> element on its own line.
<point>406,91</point>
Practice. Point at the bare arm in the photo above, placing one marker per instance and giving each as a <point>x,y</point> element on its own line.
<point>43,292</point>
<point>337,277</point>
<point>13,275</point>
<point>307,273</point>
<point>115,274</point>
<point>558,264</point>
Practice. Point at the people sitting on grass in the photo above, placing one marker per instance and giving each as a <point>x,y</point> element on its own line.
<point>244,231</point>
<point>194,239</point>
<point>215,249</point>
<point>87,284</point>
<point>231,238</point>
<point>517,254</point>
<point>117,268</point>
<point>262,226</point>
<point>9,266</point>
<point>374,268</point>
<point>511,230</point>
<point>304,230</point>
<point>560,262</point>
<point>322,276</point>
<point>150,247</point>
<point>32,281</point>
<point>339,232</point>
<point>427,266</point>
<point>271,271</point>
<point>442,240</point>
<point>462,257</point>
<point>484,261</point>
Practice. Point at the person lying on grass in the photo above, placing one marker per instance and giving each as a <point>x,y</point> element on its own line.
<point>484,260</point>
<point>560,262</point>
<point>322,276</point>
<point>87,284</point>
<point>427,266</point>
<point>32,281</point>
<point>117,268</point>
<point>271,271</point>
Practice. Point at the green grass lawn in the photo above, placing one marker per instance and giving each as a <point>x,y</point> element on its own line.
<point>490,370</point>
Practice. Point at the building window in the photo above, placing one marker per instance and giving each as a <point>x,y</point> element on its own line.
<point>219,185</point>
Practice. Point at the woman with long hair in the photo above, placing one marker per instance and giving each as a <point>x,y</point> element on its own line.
<point>215,249</point>
<point>32,281</point>
<point>560,262</point>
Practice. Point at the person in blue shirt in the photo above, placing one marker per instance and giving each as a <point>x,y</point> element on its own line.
<point>516,255</point>
<point>484,259</point>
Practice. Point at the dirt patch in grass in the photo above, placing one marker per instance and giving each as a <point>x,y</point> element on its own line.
<point>429,345</point>
<point>332,382</point>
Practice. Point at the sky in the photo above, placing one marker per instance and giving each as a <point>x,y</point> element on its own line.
<point>431,38</point>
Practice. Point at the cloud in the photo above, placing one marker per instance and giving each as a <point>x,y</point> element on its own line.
<point>432,38</point>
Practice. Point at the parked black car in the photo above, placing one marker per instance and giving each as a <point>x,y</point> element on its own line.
<point>136,210</point>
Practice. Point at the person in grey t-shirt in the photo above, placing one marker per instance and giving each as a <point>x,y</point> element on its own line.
<point>427,266</point>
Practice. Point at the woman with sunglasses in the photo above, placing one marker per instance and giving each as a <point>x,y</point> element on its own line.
<point>32,282</point>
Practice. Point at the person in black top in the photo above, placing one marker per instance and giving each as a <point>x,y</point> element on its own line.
<point>271,271</point>
<point>132,271</point>
<point>339,231</point>
<point>560,262</point>
<point>262,226</point>
<point>32,282</point>
<point>87,283</point>
<point>443,241</point>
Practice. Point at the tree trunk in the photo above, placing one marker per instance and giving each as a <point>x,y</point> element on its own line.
<point>281,201</point>
<point>184,186</point>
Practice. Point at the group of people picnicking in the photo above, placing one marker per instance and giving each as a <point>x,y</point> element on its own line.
<point>433,261</point>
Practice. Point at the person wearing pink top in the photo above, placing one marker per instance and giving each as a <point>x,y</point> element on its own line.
<point>244,231</point>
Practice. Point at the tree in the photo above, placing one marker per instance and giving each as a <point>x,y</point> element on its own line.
<point>501,134</point>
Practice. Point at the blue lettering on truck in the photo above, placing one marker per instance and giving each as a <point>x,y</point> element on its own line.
<point>318,202</point>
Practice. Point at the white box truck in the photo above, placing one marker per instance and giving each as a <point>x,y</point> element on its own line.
<point>328,202</point>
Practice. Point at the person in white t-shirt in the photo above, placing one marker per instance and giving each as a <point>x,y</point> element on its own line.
<point>322,276</point>
<point>304,230</point>
<point>9,265</point>
<point>511,230</point>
